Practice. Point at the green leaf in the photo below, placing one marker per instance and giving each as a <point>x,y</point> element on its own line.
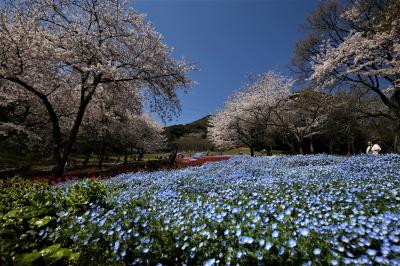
<point>15,213</point>
<point>29,258</point>
<point>63,253</point>
<point>50,250</point>
<point>25,212</point>
<point>40,222</point>
<point>7,233</point>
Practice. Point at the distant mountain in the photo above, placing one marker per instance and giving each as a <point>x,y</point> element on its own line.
<point>192,136</point>
<point>196,128</point>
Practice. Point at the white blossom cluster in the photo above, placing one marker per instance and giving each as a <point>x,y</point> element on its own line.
<point>247,115</point>
<point>369,47</point>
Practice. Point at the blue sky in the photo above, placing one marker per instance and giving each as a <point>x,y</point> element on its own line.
<point>226,40</point>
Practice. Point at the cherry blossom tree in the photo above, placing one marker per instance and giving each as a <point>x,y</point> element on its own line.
<point>112,122</point>
<point>21,120</point>
<point>14,113</point>
<point>304,115</point>
<point>354,42</point>
<point>248,114</point>
<point>127,131</point>
<point>62,52</point>
<point>106,116</point>
<point>343,123</point>
<point>143,134</point>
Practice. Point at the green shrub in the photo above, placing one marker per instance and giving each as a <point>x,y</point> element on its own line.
<point>32,230</point>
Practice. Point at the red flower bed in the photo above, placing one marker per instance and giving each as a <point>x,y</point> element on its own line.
<point>143,166</point>
<point>202,160</point>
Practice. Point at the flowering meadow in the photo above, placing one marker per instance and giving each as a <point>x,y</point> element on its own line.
<point>307,210</point>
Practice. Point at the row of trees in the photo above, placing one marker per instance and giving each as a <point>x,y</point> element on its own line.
<point>83,69</point>
<point>267,115</point>
<point>114,123</point>
<point>350,63</point>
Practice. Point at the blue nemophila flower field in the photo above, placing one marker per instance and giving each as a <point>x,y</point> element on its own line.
<point>307,210</point>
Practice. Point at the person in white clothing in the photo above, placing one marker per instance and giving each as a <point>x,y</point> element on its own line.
<point>373,148</point>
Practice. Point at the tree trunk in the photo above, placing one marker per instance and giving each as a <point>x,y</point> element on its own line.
<point>172,155</point>
<point>126,157</point>
<point>251,151</point>
<point>353,149</point>
<point>292,147</point>
<point>396,143</point>
<point>140,154</point>
<point>102,153</point>
<point>58,159</point>
<point>74,132</point>
<point>87,158</point>
<point>348,148</point>
<point>312,146</point>
<point>58,169</point>
<point>100,164</point>
<point>396,137</point>
<point>300,140</point>
<point>331,150</point>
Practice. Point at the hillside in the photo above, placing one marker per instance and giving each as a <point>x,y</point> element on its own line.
<point>190,137</point>
<point>196,128</point>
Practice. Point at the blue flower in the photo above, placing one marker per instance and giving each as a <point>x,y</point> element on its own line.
<point>304,232</point>
<point>371,252</point>
<point>245,240</point>
<point>317,251</point>
<point>292,243</point>
<point>209,262</point>
<point>116,245</point>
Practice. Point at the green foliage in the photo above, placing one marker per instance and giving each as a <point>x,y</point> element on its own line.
<point>31,228</point>
<point>77,197</point>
